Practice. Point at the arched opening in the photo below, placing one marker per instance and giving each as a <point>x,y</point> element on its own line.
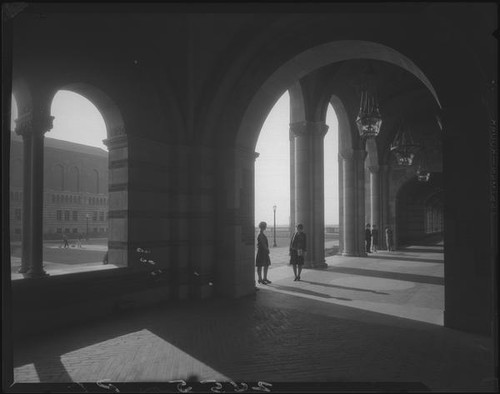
<point>332,206</point>
<point>419,212</point>
<point>272,174</point>
<point>74,156</point>
<point>352,205</point>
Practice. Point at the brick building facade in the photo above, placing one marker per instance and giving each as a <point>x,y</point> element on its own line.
<point>75,189</point>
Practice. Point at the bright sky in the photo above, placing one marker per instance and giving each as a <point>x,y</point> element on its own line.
<point>76,119</point>
<point>272,167</point>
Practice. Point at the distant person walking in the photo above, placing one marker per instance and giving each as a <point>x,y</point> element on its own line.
<point>298,247</point>
<point>368,238</point>
<point>389,239</point>
<point>262,259</point>
<point>374,238</point>
<point>78,240</point>
<point>65,241</point>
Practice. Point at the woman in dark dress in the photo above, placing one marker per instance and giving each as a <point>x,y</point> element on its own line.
<point>262,259</point>
<point>297,251</point>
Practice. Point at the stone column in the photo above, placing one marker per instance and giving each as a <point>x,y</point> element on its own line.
<point>23,128</point>
<point>39,127</point>
<point>309,188</point>
<point>292,183</point>
<point>374,196</point>
<point>354,202</point>
<point>341,204</point>
<point>118,199</point>
<point>235,241</point>
<point>384,203</point>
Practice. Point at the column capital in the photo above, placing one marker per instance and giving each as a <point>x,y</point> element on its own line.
<point>246,153</point>
<point>308,128</point>
<point>27,125</point>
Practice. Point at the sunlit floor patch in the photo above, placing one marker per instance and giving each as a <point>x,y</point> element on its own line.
<point>120,359</point>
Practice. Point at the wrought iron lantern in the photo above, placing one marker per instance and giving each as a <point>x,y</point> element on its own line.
<point>423,174</point>
<point>404,147</point>
<point>369,119</point>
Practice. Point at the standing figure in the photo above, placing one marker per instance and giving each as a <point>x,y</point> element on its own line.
<point>374,238</point>
<point>297,251</point>
<point>368,238</point>
<point>78,240</point>
<point>65,241</point>
<point>388,239</point>
<point>262,259</point>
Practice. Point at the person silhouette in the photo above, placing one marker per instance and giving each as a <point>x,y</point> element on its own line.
<point>262,259</point>
<point>298,249</point>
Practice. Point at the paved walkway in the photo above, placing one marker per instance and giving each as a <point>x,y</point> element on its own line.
<point>375,319</point>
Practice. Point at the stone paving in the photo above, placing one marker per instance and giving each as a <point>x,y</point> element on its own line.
<point>374,319</point>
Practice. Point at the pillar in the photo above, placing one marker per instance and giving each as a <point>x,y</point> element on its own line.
<point>384,204</point>
<point>235,241</point>
<point>341,204</point>
<point>23,128</point>
<point>41,124</point>
<point>309,188</point>
<point>374,196</point>
<point>292,183</point>
<point>353,196</point>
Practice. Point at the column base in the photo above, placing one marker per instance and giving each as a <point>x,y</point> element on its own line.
<point>36,274</point>
<point>350,254</point>
<point>313,265</point>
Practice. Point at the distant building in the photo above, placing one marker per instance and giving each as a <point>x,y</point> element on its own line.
<point>75,189</point>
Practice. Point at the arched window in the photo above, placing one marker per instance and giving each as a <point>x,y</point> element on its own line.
<point>95,176</point>
<point>58,177</point>
<point>74,179</point>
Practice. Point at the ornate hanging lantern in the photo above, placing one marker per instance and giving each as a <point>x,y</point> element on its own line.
<point>423,174</point>
<point>404,147</point>
<point>369,119</point>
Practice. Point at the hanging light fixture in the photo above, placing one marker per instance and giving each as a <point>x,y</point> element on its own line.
<point>404,147</point>
<point>423,174</point>
<point>369,119</point>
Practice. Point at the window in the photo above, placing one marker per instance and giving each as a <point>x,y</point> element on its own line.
<point>101,216</point>
<point>101,230</point>
<point>95,229</point>
<point>66,230</point>
<point>59,215</point>
<point>75,216</point>
<point>79,199</point>
<point>59,230</point>
<point>53,198</point>
<point>94,216</point>
<point>75,230</point>
<point>17,214</point>
<point>66,216</point>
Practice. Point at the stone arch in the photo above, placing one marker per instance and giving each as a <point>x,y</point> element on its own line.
<point>307,61</point>
<point>411,199</point>
<point>117,143</point>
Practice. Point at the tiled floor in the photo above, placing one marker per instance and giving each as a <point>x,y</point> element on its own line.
<point>374,319</point>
